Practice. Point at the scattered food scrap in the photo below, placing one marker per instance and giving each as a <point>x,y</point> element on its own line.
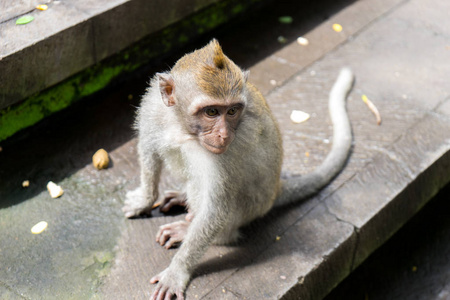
<point>285,19</point>
<point>283,277</point>
<point>54,189</point>
<point>24,20</point>
<point>273,82</point>
<point>26,183</point>
<point>100,159</point>
<point>298,116</point>
<point>372,108</point>
<point>156,205</point>
<point>39,227</point>
<point>337,27</point>
<point>42,7</point>
<point>303,41</point>
<point>278,238</point>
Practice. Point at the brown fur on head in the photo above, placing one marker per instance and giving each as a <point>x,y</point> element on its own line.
<point>215,74</point>
<point>219,77</point>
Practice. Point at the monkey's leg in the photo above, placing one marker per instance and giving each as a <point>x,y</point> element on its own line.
<point>171,199</point>
<point>140,201</point>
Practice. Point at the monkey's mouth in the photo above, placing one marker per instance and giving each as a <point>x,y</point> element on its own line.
<point>215,149</point>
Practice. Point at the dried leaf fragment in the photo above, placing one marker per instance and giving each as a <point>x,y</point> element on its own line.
<point>298,116</point>
<point>100,159</point>
<point>42,7</point>
<point>39,227</point>
<point>337,27</point>
<point>24,20</point>
<point>372,108</point>
<point>54,190</point>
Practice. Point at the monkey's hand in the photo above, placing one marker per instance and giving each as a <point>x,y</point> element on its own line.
<point>172,234</point>
<point>171,199</point>
<point>171,282</point>
<point>136,204</point>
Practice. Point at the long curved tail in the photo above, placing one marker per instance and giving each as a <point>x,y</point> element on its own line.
<point>300,187</point>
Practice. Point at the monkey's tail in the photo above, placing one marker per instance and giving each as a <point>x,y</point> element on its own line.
<point>297,188</point>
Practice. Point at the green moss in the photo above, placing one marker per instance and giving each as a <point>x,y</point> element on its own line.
<point>99,76</point>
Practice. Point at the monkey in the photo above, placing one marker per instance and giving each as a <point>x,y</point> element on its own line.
<point>209,125</point>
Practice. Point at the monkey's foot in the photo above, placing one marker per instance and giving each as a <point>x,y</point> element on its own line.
<point>170,283</point>
<point>135,204</point>
<point>171,199</point>
<point>172,234</point>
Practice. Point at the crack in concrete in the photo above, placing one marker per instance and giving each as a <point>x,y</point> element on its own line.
<point>356,232</point>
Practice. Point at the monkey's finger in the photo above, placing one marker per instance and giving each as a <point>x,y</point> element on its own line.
<point>155,293</point>
<point>189,217</point>
<point>169,296</point>
<point>180,295</point>
<point>154,280</point>
<point>164,237</point>
<point>163,293</point>
<point>171,242</point>
<point>160,231</point>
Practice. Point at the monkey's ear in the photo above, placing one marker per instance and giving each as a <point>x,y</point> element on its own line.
<point>167,88</point>
<point>246,74</point>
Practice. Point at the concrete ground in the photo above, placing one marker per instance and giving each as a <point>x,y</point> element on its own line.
<point>398,51</point>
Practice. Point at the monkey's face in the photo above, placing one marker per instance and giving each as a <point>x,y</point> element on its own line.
<point>216,125</point>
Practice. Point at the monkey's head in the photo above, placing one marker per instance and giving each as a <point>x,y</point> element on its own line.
<point>208,93</point>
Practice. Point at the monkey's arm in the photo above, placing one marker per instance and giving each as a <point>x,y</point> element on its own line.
<point>205,227</point>
<point>301,187</point>
<point>140,201</point>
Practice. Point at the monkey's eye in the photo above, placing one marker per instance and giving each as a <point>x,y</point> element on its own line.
<point>211,112</point>
<point>232,111</point>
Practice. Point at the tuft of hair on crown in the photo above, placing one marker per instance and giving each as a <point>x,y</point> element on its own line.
<point>219,77</point>
<point>219,57</point>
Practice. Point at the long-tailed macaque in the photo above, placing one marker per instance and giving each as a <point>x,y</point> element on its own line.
<point>208,124</point>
